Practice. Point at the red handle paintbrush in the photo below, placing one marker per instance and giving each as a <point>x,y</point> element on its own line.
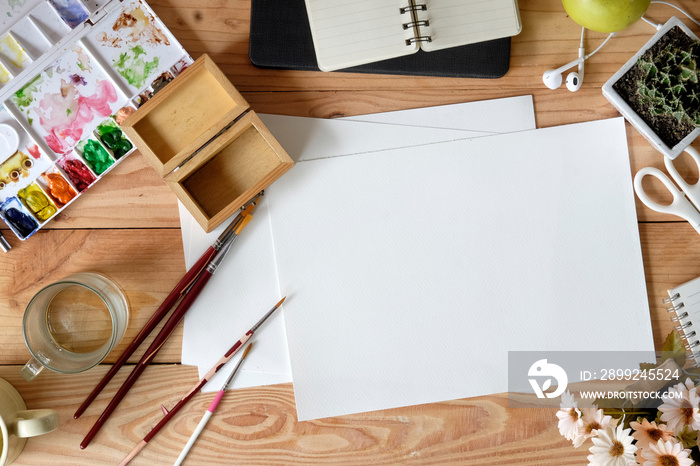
<point>226,358</point>
<point>164,308</point>
<point>189,295</point>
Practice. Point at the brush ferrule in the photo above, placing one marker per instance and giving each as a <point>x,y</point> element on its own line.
<point>226,234</point>
<point>264,318</point>
<point>216,261</point>
<point>232,375</point>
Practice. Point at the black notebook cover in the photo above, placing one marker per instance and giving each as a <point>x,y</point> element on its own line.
<point>280,37</point>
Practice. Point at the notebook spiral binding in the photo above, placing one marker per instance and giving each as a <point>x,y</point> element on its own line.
<point>683,325</point>
<point>413,7</point>
<point>415,23</point>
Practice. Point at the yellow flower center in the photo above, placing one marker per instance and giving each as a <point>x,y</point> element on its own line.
<point>573,414</point>
<point>617,449</point>
<point>668,460</point>
<point>590,427</point>
<point>655,434</point>
<point>687,412</point>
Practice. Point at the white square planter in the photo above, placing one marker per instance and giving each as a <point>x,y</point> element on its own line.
<point>635,120</point>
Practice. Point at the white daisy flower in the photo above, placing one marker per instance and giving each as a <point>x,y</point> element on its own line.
<point>681,407</point>
<point>569,422</point>
<point>569,417</point>
<point>593,420</point>
<point>612,447</point>
<point>670,453</point>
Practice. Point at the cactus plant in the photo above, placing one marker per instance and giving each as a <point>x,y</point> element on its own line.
<point>670,83</point>
<point>658,90</point>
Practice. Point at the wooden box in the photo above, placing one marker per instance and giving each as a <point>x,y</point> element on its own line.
<point>201,137</point>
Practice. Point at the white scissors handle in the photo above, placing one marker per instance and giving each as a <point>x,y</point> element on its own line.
<point>692,191</point>
<point>680,205</point>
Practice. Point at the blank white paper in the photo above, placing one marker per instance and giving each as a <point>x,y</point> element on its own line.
<point>413,272</point>
<point>245,285</point>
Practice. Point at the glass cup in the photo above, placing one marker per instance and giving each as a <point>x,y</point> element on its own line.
<point>71,325</point>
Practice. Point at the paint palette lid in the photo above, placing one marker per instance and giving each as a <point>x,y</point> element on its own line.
<point>186,115</point>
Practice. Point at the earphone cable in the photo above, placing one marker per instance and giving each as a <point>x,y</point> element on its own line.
<point>652,24</point>
<point>610,36</point>
<point>677,8</point>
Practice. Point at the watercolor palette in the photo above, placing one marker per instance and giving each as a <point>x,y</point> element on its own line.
<point>70,71</point>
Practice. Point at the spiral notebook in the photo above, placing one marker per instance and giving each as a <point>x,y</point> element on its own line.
<point>280,38</point>
<point>350,33</point>
<point>684,301</point>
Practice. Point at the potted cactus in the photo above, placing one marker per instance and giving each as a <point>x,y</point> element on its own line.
<point>658,90</point>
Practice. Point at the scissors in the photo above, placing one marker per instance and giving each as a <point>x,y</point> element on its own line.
<point>686,200</point>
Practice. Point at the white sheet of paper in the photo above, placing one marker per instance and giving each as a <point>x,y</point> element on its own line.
<point>232,301</point>
<point>411,273</point>
<point>494,116</point>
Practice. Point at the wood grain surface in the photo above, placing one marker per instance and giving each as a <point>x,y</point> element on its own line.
<point>259,426</point>
<point>127,227</point>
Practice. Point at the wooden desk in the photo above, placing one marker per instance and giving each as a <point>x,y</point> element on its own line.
<point>127,227</point>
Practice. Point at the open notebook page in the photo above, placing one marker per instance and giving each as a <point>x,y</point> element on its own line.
<point>459,22</point>
<point>350,33</point>
<point>353,32</point>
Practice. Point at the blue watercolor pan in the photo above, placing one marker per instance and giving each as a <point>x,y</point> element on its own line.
<point>17,217</point>
<point>72,12</point>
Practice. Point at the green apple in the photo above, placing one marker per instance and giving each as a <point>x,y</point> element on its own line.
<point>605,15</point>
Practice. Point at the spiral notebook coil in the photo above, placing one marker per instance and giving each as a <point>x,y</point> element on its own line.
<point>412,24</point>
<point>418,39</point>
<point>416,23</point>
<point>413,7</point>
<point>683,302</point>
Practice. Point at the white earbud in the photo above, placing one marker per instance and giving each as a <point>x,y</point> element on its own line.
<point>553,78</point>
<point>575,79</point>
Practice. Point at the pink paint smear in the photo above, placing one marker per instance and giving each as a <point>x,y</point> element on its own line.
<point>65,114</point>
<point>34,151</point>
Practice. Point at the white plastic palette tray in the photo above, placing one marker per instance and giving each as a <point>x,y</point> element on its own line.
<point>68,70</point>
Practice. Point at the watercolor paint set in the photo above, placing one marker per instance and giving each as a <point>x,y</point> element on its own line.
<point>70,72</point>
<point>203,139</point>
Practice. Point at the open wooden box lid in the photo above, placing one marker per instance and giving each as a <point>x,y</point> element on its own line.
<point>244,160</point>
<point>185,115</point>
<point>200,137</point>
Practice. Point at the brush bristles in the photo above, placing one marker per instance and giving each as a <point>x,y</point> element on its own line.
<point>247,350</point>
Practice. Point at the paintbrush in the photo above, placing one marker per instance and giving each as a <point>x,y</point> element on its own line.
<point>212,407</point>
<point>226,358</point>
<point>188,297</point>
<point>4,245</point>
<point>175,295</point>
